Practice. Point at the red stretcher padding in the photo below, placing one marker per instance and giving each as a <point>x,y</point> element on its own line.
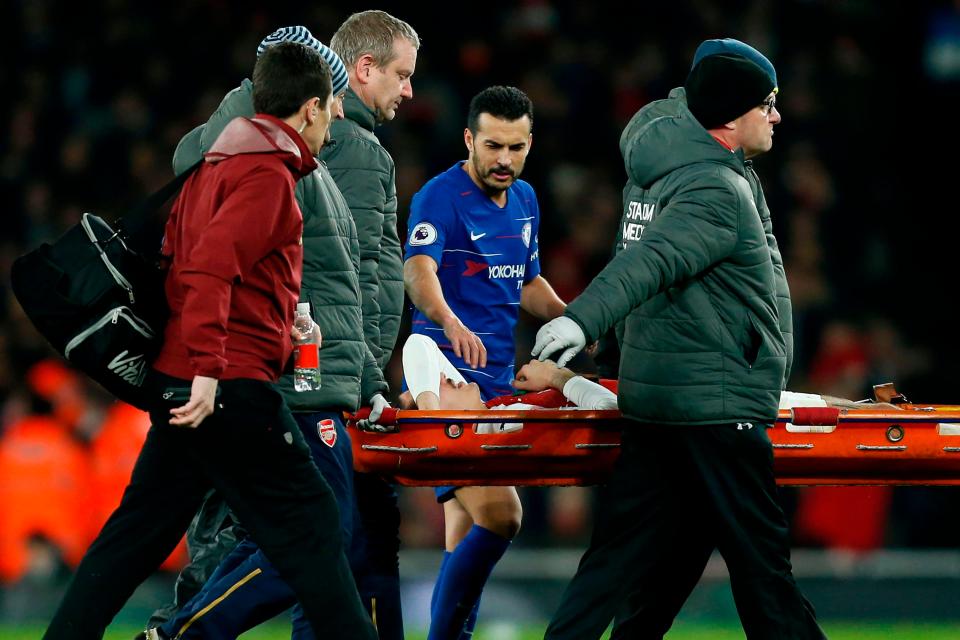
<point>918,445</point>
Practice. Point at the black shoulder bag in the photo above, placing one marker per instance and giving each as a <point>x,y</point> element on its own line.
<point>96,294</point>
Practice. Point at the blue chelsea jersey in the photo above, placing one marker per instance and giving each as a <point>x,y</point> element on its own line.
<point>484,254</point>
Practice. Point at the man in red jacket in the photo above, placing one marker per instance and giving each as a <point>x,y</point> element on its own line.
<point>233,239</point>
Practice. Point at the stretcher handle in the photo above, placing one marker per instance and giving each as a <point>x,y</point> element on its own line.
<point>815,416</point>
<point>387,418</point>
<point>823,416</point>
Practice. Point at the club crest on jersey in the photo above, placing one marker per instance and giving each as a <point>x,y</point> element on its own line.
<point>525,234</point>
<point>423,233</point>
<point>328,432</point>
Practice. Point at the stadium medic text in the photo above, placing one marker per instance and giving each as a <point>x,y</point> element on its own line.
<point>642,212</point>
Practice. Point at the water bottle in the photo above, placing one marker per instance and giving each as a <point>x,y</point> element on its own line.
<point>306,352</point>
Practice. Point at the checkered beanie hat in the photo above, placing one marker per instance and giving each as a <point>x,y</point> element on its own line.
<point>302,35</point>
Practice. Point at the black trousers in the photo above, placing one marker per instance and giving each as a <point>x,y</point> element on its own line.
<point>253,454</point>
<point>378,571</point>
<point>212,535</point>
<point>676,494</point>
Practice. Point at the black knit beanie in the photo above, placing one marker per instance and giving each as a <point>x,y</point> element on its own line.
<point>723,87</point>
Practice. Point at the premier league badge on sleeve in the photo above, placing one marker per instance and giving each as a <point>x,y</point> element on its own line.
<point>423,233</point>
<point>525,234</point>
<point>327,431</point>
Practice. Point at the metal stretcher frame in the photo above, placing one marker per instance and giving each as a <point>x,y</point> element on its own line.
<point>918,445</point>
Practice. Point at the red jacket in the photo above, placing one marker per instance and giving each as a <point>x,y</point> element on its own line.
<point>234,240</point>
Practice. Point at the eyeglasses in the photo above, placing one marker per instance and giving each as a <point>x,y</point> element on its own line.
<point>768,105</point>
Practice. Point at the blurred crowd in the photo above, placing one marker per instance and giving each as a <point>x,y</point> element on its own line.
<point>96,101</point>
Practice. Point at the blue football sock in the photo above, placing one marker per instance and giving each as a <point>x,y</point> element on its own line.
<point>471,622</point>
<point>436,585</point>
<point>471,619</point>
<point>464,576</point>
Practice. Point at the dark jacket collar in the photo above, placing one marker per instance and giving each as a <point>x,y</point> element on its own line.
<point>354,109</point>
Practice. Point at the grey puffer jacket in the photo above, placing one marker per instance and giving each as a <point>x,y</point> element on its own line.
<point>350,374</point>
<point>365,173</point>
<point>697,280</point>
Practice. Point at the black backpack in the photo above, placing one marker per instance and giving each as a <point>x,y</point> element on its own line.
<point>96,294</point>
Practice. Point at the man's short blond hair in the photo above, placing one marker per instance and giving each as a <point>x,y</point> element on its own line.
<point>371,32</point>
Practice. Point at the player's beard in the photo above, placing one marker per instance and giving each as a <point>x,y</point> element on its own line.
<point>491,185</point>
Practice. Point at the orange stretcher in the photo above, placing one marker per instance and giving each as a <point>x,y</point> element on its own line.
<point>915,445</point>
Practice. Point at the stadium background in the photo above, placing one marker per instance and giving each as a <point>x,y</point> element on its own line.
<point>97,96</point>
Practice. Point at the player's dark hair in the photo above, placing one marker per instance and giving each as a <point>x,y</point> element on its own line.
<point>506,103</point>
<point>287,75</point>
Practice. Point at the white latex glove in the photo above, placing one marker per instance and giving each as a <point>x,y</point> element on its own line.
<point>377,404</point>
<point>560,333</point>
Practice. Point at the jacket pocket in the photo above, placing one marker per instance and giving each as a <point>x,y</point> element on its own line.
<point>752,342</point>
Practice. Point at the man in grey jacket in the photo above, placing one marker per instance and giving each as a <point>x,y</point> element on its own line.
<point>699,286</point>
<point>380,53</point>
<point>351,376</point>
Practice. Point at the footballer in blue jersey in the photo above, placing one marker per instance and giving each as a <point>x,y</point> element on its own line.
<point>485,254</point>
<point>472,262</point>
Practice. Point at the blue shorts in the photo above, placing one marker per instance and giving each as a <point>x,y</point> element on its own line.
<point>494,380</point>
<point>444,493</point>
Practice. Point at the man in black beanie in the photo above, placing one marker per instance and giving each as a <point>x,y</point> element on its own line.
<point>698,286</point>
